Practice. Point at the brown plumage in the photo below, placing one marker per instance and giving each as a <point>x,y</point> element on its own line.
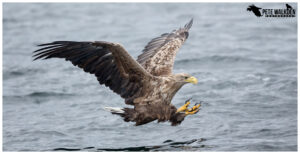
<point>148,83</point>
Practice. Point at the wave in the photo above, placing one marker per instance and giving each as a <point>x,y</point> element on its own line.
<point>164,147</point>
<point>42,94</point>
<point>234,59</point>
<point>11,73</point>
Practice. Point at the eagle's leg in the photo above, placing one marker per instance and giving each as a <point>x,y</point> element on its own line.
<point>184,107</point>
<point>193,110</point>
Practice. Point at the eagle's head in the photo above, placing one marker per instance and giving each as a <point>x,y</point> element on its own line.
<point>184,78</point>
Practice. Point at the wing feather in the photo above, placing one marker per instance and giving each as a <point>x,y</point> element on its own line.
<point>103,59</point>
<point>159,54</point>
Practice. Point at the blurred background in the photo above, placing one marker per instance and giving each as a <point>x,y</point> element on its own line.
<point>246,67</point>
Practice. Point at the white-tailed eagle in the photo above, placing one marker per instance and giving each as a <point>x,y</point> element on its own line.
<point>146,83</point>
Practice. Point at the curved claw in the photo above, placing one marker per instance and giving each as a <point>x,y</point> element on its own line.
<point>192,112</point>
<point>199,103</point>
<point>188,100</point>
<point>185,106</point>
<point>194,109</point>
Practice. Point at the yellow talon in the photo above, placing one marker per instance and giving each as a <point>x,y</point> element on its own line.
<point>193,110</point>
<point>185,106</point>
<point>194,107</point>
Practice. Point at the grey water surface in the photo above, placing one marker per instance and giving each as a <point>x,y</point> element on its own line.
<point>246,67</point>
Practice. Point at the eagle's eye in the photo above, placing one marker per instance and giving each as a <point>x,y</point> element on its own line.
<point>186,77</point>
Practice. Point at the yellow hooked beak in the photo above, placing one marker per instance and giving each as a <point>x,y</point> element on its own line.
<point>192,80</point>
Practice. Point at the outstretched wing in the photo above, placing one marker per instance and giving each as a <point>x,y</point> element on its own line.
<point>159,54</point>
<point>110,62</point>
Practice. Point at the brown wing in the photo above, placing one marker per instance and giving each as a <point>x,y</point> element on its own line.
<point>110,63</point>
<point>159,54</point>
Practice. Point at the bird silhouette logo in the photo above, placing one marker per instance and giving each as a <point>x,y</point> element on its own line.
<point>289,11</point>
<point>288,6</point>
<point>255,10</point>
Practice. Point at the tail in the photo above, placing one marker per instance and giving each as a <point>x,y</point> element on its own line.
<point>115,110</point>
<point>127,113</point>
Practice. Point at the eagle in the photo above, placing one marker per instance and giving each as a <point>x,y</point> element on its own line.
<point>147,83</point>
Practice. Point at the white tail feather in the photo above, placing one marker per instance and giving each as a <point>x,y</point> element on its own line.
<point>114,109</point>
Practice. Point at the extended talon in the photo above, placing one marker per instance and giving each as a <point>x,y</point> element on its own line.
<point>194,109</point>
<point>185,106</point>
<point>192,112</point>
